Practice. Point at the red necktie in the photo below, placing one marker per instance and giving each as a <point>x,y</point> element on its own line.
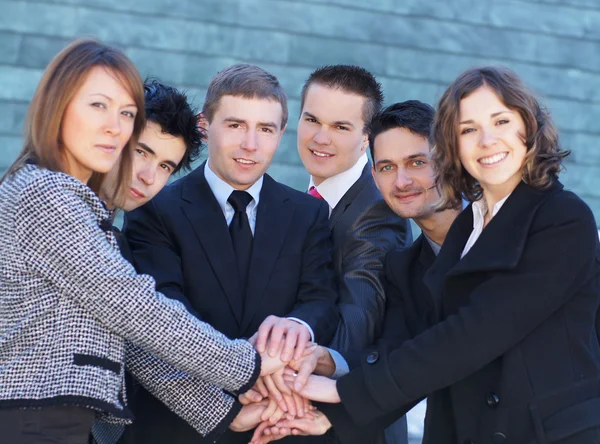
<point>314,193</point>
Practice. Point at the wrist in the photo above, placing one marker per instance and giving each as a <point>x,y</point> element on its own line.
<point>325,363</point>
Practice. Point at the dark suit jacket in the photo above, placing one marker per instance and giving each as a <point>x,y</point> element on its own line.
<point>409,310</point>
<point>516,348</point>
<point>181,238</point>
<point>363,230</point>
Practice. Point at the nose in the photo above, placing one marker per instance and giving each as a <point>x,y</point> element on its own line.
<point>487,139</point>
<point>147,175</point>
<point>250,141</point>
<point>322,136</point>
<point>403,180</point>
<point>113,123</point>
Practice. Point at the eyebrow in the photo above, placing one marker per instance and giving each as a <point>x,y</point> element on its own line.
<point>110,99</point>
<point>236,120</point>
<point>407,158</point>
<point>338,122</point>
<point>151,151</point>
<point>491,115</point>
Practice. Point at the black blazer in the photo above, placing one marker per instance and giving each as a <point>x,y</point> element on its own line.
<point>181,238</point>
<point>516,348</point>
<point>363,230</point>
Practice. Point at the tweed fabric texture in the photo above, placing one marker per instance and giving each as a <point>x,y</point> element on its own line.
<point>69,301</point>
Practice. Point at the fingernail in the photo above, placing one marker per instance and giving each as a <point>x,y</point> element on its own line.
<point>272,352</point>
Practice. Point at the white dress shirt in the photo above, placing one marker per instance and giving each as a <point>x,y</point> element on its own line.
<point>222,190</point>
<point>333,188</point>
<point>479,212</point>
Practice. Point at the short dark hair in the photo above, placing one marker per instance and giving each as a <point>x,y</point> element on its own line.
<point>169,108</point>
<point>414,115</point>
<point>247,81</point>
<point>352,79</point>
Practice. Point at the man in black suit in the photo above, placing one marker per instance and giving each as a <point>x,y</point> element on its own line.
<point>400,147</point>
<point>236,247</point>
<point>337,104</point>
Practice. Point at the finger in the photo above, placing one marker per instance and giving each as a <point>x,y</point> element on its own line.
<point>277,333</point>
<point>291,404</point>
<point>299,402</point>
<point>263,333</point>
<point>302,376</point>
<point>302,342</point>
<point>276,417</point>
<point>309,349</point>
<point>291,338</point>
<point>261,387</point>
<point>268,411</point>
<point>253,339</point>
<point>274,393</point>
<point>280,383</point>
<point>258,432</point>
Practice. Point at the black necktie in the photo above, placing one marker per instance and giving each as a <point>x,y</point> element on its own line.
<point>241,234</point>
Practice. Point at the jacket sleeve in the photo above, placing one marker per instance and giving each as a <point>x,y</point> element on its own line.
<point>204,406</point>
<point>61,242</point>
<point>154,253</point>
<point>361,286</point>
<point>468,340</point>
<point>316,301</point>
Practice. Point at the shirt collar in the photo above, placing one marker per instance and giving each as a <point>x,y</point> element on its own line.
<point>222,190</point>
<point>480,210</point>
<point>333,188</point>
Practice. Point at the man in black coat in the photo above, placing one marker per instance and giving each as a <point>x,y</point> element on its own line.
<point>240,250</point>
<point>399,143</point>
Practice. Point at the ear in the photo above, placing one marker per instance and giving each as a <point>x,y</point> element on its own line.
<point>374,178</point>
<point>203,125</point>
<point>365,142</point>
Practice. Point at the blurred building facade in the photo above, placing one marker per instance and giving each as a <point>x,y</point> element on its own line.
<point>415,47</point>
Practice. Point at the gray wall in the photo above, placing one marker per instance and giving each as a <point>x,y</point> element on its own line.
<point>415,47</point>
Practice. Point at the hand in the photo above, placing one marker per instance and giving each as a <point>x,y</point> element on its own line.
<point>314,424</point>
<point>274,329</point>
<point>253,414</point>
<point>317,388</point>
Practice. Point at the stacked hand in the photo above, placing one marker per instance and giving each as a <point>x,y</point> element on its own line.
<point>279,402</point>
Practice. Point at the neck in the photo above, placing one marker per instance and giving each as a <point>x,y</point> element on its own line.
<point>436,225</point>
<point>493,195</point>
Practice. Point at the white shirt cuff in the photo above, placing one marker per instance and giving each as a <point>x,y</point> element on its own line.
<point>341,365</point>
<point>310,330</point>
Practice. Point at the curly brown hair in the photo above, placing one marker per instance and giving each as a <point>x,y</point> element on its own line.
<point>543,160</point>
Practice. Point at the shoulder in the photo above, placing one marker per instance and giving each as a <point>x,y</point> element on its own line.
<point>562,206</point>
<point>298,198</point>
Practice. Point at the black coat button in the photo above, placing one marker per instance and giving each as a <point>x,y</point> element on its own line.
<point>498,438</point>
<point>492,400</point>
<point>372,357</point>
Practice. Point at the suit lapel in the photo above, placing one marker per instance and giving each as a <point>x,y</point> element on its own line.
<point>349,197</point>
<point>208,222</point>
<point>273,218</point>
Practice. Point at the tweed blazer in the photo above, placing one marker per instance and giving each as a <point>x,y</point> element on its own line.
<point>69,302</point>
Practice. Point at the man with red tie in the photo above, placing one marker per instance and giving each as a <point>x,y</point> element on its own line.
<point>338,102</point>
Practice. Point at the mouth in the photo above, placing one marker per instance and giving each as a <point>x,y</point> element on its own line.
<point>243,161</point>
<point>137,194</point>
<point>403,197</point>
<point>320,154</point>
<point>493,159</point>
<point>107,148</point>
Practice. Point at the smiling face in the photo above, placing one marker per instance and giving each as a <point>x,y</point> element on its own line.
<point>155,158</point>
<point>403,173</point>
<point>242,139</point>
<point>98,122</point>
<point>491,143</point>
<point>330,131</point>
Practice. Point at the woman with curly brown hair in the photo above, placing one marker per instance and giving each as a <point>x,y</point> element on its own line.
<point>513,354</point>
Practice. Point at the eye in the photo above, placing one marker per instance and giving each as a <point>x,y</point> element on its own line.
<point>386,168</point>
<point>267,130</point>
<point>310,119</point>
<point>343,128</point>
<point>234,125</point>
<point>467,130</point>
<point>166,167</point>
<point>99,105</point>
<point>419,163</point>
<point>141,152</point>
<point>502,122</point>
<point>129,114</point>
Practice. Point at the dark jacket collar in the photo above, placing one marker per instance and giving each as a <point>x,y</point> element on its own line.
<point>350,195</point>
